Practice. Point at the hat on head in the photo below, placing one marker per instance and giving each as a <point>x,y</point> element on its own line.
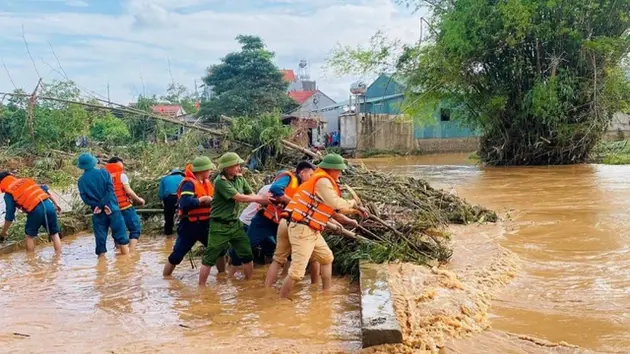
<point>333,162</point>
<point>87,161</point>
<point>202,163</point>
<point>176,171</point>
<point>229,159</point>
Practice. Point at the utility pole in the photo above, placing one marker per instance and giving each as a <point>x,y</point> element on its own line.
<point>108,98</point>
<point>421,20</point>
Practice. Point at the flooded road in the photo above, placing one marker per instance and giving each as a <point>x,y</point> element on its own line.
<point>570,227</point>
<point>50,304</point>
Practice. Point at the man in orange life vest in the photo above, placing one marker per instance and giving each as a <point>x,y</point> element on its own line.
<point>35,200</point>
<point>264,226</point>
<point>315,204</point>
<point>194,197</point>
<point>283,189</point>
<point>125,196</point>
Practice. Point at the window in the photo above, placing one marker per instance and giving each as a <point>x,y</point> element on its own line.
<point>445,114</point>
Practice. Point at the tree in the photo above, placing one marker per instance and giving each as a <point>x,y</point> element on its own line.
<point>247,83</point>
<point>110,130</point>
<point>540,79</point>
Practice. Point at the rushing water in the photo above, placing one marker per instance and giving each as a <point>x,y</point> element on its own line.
<point>570,227</point>
<point>76,303</point>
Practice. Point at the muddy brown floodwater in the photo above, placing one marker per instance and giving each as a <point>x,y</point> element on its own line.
<point>74,303</point>
<point>570,228</point>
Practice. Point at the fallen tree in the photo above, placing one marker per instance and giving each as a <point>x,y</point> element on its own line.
<point>409,223</point>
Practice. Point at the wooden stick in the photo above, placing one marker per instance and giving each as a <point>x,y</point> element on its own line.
<point>346,233</point>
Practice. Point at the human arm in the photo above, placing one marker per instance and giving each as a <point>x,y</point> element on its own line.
<point>9,216</point>
<point>187,199</point>
<point>127,187</point>
<point>109,190</point>
<point>278,187</point>
<point>52,197</point>
<point>228,191</point>
<point>161,190</point>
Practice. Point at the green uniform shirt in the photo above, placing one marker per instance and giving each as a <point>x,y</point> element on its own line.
<point>224,208</point>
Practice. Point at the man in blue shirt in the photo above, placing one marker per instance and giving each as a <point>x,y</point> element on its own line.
<point>168,195</point>
<point>37,202</point>
<point>97,191</point>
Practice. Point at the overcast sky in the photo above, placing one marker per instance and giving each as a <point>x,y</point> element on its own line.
<point>128,42</point>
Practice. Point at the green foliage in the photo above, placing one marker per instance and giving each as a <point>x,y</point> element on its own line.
<point>540,79</point>
<point>55,125</point>
<point>109,130</point>
<point>246,84</point>
<point>264,133</point>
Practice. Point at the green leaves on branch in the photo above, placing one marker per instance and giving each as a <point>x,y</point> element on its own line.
<point>541,79</point>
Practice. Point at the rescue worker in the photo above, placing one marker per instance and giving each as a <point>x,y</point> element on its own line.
<point>225,228</point>
<point>194,197</point>
<point>35,200</point>
<point>315,204</point>
<point>246,218</point>
<point>97,191</point>
<point>168,195</point>
<point>283,189</point>
<point>264,225</point>
<point>125,197</point>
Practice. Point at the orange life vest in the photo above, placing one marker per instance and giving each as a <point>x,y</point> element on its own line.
<point>25,192</point>
<point>273,211</point>
<point>204,188</point>
<point>115,170</point>
<point>307,208</point>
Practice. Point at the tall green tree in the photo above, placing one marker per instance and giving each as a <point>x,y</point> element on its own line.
<point>541,79</point>
<point>246,84</point>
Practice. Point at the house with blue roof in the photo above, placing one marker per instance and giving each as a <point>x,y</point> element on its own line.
<point>380,109</point>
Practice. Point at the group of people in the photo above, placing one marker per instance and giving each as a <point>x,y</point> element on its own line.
<point>281,226</point>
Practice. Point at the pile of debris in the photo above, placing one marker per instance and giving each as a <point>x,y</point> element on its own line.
<point>407,223</point>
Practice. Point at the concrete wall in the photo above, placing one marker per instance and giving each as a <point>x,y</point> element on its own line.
<point>386,132</point>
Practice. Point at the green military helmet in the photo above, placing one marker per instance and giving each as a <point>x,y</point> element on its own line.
<point>333,162</point>
<point>229,159</point>
<point>202,163</point>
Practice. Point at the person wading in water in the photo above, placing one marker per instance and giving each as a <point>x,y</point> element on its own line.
<point>97,191</point>
<point>194,197</point>
<point>125,197</point>
<point>226,230</point>
<point>40,206</point>
<point>315,204</point>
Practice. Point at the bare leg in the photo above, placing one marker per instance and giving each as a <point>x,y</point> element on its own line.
<point>285,270</point>
<point>168,269</point>
<point>124,249</point>
<point>248,269</point>
<point>315,269</point>
<point>56,242</point>
<point>272,274</point>
<point>101,256</point>
<point>326,271</point>
<point>30,244</point>
<point>132,244</point>
<point>204,273</point>
<point>232,271</point>
<point>220,265</point>
<point>287,287</point>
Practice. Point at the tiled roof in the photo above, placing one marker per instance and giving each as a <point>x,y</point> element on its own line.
<point>301,96</point>
<point>289,75</point>
<point>166,109</point>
